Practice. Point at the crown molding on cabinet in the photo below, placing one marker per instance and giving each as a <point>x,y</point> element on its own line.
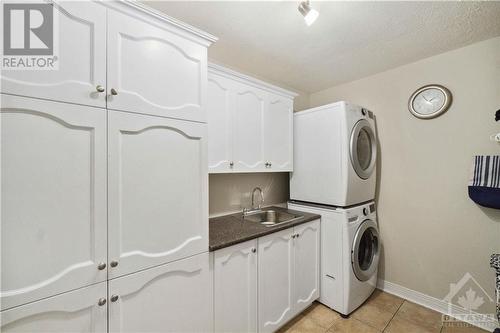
<point>234,75</point>
<point>203,37</point>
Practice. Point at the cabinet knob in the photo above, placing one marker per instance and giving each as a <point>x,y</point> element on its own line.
<point>270,164</point>
<point>267,164</point>
<point>231,164</point>
<point>101,301</point>
<point>254,250</point>
<point>114,92</point>
<point>101,266</point>
<point>114,298</point>
<point>99,88</point>
<point>113,263</point>
<point>297,235</point>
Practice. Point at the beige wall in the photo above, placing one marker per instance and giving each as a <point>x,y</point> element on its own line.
<point>229,193</point>
<point>432,233</point>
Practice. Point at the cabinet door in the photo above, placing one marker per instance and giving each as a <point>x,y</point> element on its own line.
<point>307,264</point>
<point>275,280</point>
<point>53,198</point>
<point>219,124</point>
<point>235,280</point>
<point>81,58</point>
<point>248,129</point>
<point>154,70</point>
<point>157,190</point>
<point>278,133</point>
<point>175,297</point>
<point>74,311</point>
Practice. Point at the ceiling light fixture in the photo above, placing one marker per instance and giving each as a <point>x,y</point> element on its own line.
<point>309,13</point>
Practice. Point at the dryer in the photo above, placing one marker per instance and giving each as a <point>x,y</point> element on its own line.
<point>335,153</point>
<point>350,250</point>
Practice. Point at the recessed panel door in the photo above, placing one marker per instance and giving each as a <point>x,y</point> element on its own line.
<point>81,59</point>
<point>53,198</point>
<point>157,173</point>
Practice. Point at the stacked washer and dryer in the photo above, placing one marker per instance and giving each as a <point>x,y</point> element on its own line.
<point>335,151</point>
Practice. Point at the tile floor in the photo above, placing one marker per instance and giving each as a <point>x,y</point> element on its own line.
<point>382,312</point>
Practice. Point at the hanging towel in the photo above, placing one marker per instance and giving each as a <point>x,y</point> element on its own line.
<point>484,184</point>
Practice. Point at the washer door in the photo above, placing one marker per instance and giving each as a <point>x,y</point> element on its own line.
<point>363,149</point>
<point>365,250</point>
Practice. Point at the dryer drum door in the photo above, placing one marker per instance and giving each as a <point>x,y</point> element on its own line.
<point>363,149</point>
<point>365,250</point>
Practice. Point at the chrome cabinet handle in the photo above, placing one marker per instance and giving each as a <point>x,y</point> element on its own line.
<point>114,92</point>
<point>101,266</point>
<point>231,164</point>
<point>113,263</point>
<point>101,301</point>
<point>114,298</point>
<point>99,88</point>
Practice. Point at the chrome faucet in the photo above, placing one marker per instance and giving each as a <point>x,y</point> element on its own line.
<point>254,209</point>
<point>261,198</point>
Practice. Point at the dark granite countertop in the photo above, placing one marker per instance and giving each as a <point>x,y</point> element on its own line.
<point>228,230</point>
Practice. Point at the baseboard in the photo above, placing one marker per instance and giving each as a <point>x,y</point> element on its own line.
<point>428,302</point>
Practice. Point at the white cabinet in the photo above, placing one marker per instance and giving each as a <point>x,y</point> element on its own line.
<point>235,288</point>
<point>81,59</point>
<point>288,274</point>
<point>154,69</point>
<point>175,297</point>
<point>219,101</point>
<point>307,264</point>
<point>249,124</point>
<point>276,273</point>
<point>158,208</point>
<point>278,133</point>
<point>53,198</point>
<point>248,129</point>
<point>81,310</point>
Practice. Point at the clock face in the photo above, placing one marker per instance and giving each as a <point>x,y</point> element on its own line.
<point>430,101</point>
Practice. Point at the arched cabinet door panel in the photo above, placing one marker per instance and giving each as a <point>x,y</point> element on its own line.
<point>81,310</point>
<point>248,130</point>
<point>276,263</point>
<point>278,133</point>
<point>307,264</point>
<point>154,70</point>
<point>235,288</point>
<point>175,297</point>
<point>81,59</point>
<point>157,174</point>
<point>219,112</point>
<point>53,198</point>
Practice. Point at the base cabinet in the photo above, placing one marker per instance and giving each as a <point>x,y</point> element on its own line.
<point>262,284</point>
<point>81,310</point>
<point>176,297</point>
<point>235,288</point>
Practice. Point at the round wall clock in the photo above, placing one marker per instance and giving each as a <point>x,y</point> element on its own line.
<point>429,101</point>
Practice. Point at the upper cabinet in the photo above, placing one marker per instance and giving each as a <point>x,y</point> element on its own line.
<point>153,69</point>
<point>249,124</point>
<point>157,199</point>
<point>81,77</point>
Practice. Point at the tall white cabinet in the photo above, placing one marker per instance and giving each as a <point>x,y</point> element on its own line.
<point>250,124</point>
<point>104,178</point>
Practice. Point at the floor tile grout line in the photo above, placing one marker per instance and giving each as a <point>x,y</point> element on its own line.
<point>394,315</point>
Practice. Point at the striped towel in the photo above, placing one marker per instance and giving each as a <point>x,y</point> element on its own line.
<point>484,183</point>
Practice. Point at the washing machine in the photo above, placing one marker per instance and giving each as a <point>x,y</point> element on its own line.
<point>335,153</point>
<point>350,250</point>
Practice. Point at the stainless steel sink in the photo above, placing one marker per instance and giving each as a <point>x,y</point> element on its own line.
<point>271,218</point>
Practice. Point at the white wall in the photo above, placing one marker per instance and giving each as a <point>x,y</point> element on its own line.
<point>432,232</point>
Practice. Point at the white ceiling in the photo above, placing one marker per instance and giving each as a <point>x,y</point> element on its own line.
<point>350,40</point>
